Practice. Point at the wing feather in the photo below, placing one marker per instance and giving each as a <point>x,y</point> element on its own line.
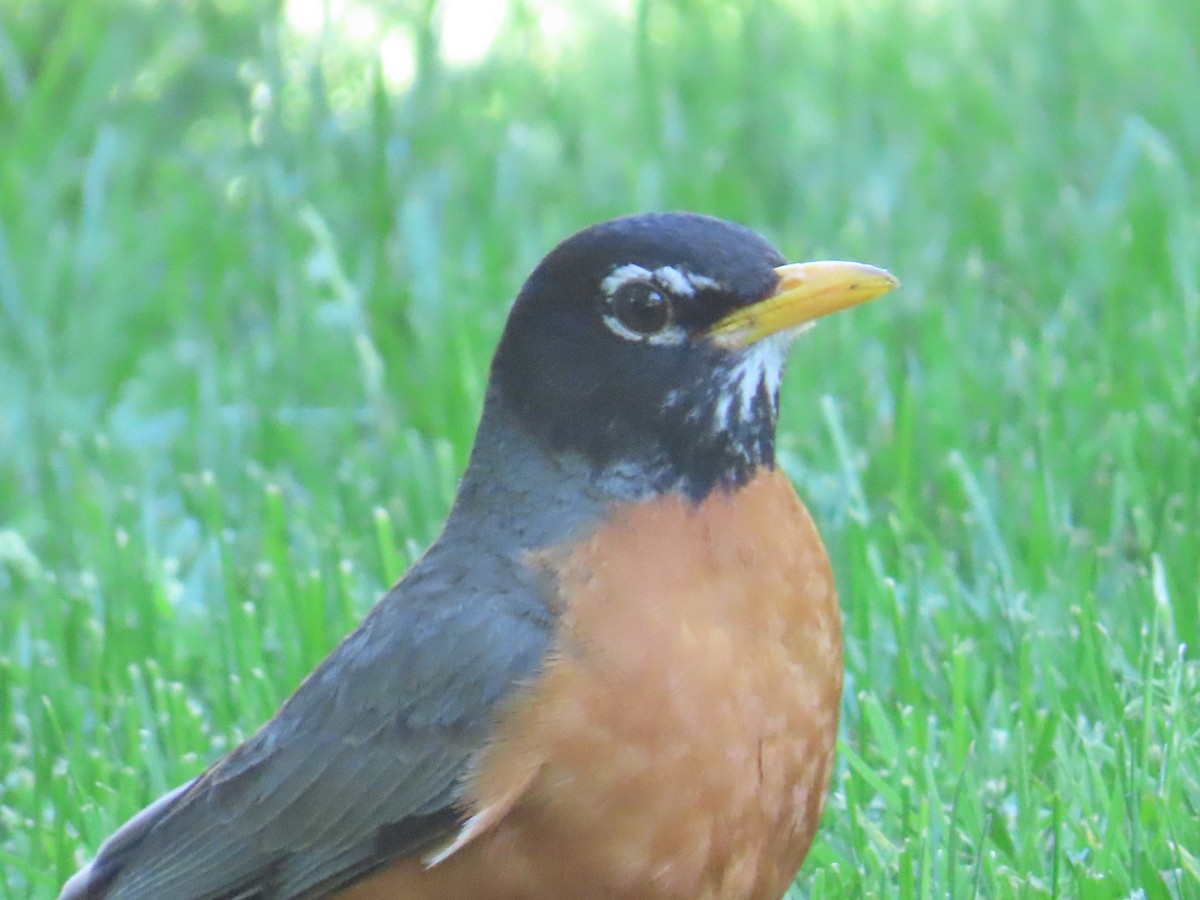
<point>363,764</point>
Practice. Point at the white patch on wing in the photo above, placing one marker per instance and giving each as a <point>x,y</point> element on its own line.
<point>470,829</point>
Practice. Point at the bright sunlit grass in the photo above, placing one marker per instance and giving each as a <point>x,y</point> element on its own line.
<point>252,269</point>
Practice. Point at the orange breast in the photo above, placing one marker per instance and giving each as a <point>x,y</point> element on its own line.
<point>679,741</point>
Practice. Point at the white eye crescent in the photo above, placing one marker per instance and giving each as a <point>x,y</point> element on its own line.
<point>641,307</point>
<point>640,303</point>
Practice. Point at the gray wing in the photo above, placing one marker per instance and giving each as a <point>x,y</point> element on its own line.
<point>362,765</point>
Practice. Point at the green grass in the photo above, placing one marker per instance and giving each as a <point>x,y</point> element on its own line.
<point>248,291</point>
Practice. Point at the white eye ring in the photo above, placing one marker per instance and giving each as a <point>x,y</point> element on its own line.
<point>670,336</point>
<point>620,317</point>
<point>670,283</point>
<point>642,307</point>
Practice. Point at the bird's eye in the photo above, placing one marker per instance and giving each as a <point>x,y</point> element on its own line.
<point>641,308</point>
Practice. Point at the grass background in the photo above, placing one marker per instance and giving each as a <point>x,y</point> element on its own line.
<point>251,273</point>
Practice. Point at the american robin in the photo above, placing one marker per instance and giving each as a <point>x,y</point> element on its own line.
<point>617,671</point>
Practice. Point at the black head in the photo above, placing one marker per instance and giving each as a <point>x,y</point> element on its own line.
<point>625,347</point>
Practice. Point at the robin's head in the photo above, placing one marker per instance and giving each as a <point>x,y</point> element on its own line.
<point>658,342</point>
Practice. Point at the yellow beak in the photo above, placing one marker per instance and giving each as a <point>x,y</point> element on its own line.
<point>805,291</point>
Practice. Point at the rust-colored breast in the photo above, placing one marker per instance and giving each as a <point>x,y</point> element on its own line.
<point>679,741</point>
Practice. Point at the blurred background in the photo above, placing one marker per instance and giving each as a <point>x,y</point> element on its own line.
<point>254,257</point>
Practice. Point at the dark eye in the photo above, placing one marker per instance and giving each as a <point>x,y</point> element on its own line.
<point>641,308</point>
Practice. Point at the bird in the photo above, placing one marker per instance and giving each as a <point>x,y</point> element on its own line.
<point>616,672</point>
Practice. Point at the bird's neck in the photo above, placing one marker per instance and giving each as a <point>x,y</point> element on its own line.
<point>525,494</point>
<point>515,477</point>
